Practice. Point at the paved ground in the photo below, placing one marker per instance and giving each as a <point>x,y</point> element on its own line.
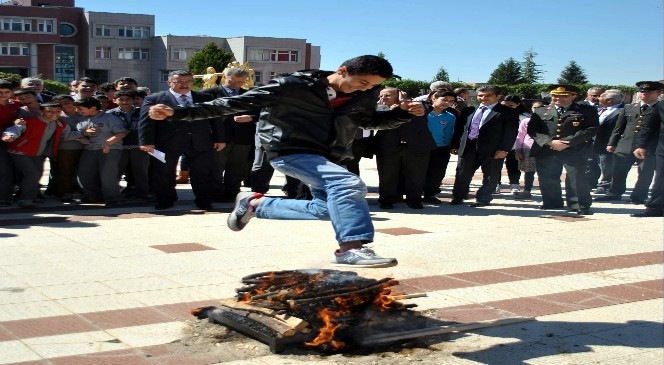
<point>86,285</point>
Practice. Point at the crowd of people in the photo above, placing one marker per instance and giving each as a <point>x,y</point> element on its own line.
<point>314,127</point>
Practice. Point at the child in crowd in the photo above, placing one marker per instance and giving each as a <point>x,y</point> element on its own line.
<point>28,144</point>
<point>98,169</point>
<point>134,162</point>
<point>522,147</point>
<point>9,110</point>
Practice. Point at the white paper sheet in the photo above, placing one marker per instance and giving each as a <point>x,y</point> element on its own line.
<point>158,155</point>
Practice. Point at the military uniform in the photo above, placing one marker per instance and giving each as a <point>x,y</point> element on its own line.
<point>577,125</point>
<point>623,138</point>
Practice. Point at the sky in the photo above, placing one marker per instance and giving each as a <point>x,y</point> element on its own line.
<point>616,42</point>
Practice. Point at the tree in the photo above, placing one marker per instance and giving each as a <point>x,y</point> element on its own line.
<point>507,73</point>
<point>381,55</point>
<point>441,75</point>
<point>573,74</point>
<point>531,72</point>
<point>210,55</point>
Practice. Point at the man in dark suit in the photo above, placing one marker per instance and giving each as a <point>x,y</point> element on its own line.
<point>563,133</point>
<point>653,133</point>
<point>488,135</point>
<point>622,144</point>
<point>231,164</point>
<point>196,141</point>
<point>599,169</point>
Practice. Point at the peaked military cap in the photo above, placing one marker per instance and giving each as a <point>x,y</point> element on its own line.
<point>649,85</point>
<point>563,90</point>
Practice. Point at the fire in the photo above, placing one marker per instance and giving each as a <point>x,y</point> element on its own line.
<point>384,301</point>
<point>326,334</point>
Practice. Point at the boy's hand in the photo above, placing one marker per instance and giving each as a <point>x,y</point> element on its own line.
<point>160,112</point>
<point>413,107</point>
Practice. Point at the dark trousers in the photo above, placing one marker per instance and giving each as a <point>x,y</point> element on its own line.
<point>622,164</point>
<point>439,158</point>
<point>261,172</point>
<point>512,164</point>
<point>200,174</point>
<point>231,166</point>
<point>577,189</point>
<point>135,163</point>
<point>6,174</point>
<point>406,164</point>
<point>64,179</point>
<point>468,164</point>
<point>362,147</point>
<point>656,202</point>
<point>31,169</point>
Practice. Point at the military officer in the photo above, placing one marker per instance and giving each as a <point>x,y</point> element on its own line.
<point>622,144</point>
<point>563,133</point>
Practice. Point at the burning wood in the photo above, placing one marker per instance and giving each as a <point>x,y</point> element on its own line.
<point>324,309</point>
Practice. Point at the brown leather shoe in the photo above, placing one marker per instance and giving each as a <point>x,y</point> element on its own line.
<point>182,178</point>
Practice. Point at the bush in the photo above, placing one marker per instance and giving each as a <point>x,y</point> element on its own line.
<point>56,87</point>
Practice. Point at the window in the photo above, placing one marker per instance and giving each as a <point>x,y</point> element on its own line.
<point>67,30</point>
<point>134,32</point>
<point>14,49</point>
<point>257,77</point>
<point>102,52</point>
<point>132,53</point>
<point>65,63</point>
<point>16,25</point>
<point>273,75</point>
<point>259,54</point>
<point>164,75</point>
<point>102,30</point>
<point>45,26</point>
<point>283,56</point>
<point>179,54</point>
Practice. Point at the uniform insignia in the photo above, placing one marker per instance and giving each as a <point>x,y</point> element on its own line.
<point>576,123</point>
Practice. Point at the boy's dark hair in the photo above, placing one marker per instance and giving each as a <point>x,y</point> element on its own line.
<point>513,98</point>
<point>63,97</point>
<point>369,65</point>
<point>139,93</point>
<point>87,80</point>
<point>129,93</point>
<point>440,94</point>
<point>25,91</point>
<point>130,80</point>
<point>88,102</point>
<point>107,86</point>
<point>50,104</point>
<point>6,84</point>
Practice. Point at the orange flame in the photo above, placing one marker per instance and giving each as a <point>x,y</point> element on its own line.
<point>383,300</point>
<point>326,334</point>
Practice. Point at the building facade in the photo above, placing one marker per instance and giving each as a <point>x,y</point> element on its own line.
<point>62,42</point>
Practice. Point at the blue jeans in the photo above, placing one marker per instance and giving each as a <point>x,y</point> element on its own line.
<point>337,194</point>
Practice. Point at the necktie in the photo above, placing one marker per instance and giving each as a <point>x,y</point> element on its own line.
<point>644,107</point>
<point>475,123</point>
<point>600,111</point>
<point>561,111</point>
<point>184,100</point>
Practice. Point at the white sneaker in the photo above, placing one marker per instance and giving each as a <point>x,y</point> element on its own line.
<point>362,257</point>
<point>515,188</point>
